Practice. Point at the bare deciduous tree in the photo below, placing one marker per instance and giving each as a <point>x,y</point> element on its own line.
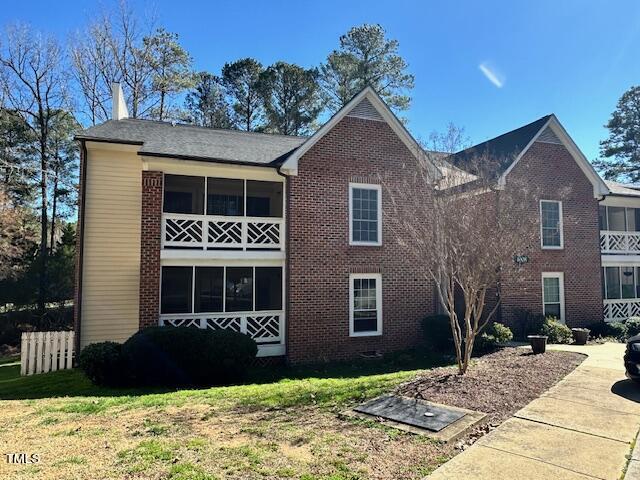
<point>467,232</point>
<point>94,69</point>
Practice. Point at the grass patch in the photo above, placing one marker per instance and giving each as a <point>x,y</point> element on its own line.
<point>147,452</point>
<point>188,471</point>
<point>281,423</point>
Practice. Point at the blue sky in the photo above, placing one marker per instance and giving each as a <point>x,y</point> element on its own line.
<point>571,57</point>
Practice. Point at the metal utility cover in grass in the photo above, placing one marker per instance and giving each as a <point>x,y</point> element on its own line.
<point>411,412</point>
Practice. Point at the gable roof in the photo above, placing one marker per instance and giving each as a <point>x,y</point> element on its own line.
<point>504,148</point>
<point>165,139</point>
<point>510,147</point>
<point>366,103</point>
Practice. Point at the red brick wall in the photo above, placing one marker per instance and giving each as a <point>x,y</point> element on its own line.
<point>150,233</point>
<point>320,258</point>
<point>551,169</point>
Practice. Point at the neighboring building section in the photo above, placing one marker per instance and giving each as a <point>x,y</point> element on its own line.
<point>560,276</point>
<point>620,244</point>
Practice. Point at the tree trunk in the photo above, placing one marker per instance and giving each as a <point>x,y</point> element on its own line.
<point>54,203</point>
<point>42,284</point>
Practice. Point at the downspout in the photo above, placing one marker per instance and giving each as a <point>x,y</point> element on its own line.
<point>287,262</point>
<point>80,245</point>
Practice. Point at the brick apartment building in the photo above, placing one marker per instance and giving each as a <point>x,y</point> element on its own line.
<point>283,237</point>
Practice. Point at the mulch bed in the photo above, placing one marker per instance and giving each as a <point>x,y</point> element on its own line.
<point>498,384</point>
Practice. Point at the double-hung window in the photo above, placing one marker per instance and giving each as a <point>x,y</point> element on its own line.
<point>365,214</point>
<point>553,294</point>
<point>551,224</point>
<point>365,304</point>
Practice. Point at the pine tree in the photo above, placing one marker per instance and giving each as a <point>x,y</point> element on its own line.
<point>621,151</point>
<point>241,80</point>
<point>292,100</point>
<point>366,58</point>
<point>206,104</point>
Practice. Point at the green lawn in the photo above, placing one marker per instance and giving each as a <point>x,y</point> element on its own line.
<point>282,423</point>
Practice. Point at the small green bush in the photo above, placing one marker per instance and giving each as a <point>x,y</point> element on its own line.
<point>436,331</point>
<point>616,330</point>
<point>633,326</point>
<point>102,363</point>
<point>556,331</point>
<point>168,356</point>
<point>500,332</point>
<point>495,335</point>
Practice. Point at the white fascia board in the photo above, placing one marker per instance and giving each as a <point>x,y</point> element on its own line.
<point>600,189</point>
<point>290,166</point>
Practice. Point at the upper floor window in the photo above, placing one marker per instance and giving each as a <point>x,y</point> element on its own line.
<point>551,224</point>
<point>620,219</point>
<point>183,194</point>
<point>365,214</point>
<point>224,196</point>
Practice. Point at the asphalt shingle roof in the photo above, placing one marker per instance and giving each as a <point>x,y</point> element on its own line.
<point>504,148</point>
<point>188,141</point>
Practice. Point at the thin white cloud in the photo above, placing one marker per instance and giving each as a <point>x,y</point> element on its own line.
<point>492,74</point>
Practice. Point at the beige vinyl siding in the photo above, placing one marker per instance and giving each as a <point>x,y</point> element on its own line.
<point>111,270</point>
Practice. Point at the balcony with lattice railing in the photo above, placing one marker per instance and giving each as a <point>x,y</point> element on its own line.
<point>619,243</point>
<point>266,328</point>
<point>216,232</point>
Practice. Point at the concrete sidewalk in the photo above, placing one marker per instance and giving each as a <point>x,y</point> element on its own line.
<point>582,428</point>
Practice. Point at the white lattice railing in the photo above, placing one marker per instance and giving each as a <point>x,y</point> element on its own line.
<point>216,231</point>
<point>620,309</point>
<point>266,328</point>
<point>620,242</point>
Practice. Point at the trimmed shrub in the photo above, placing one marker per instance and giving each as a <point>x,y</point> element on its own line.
<point>616,330</point>
<point>102,363</point>
<point>168,356</point>
<point>633,326</point>
<point>556,331</point>
<point>501,332</point>
<point>436,331</point>
<point>495,335</point>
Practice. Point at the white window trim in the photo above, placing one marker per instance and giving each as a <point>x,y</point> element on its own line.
<point>367,186</point>
<point>378,279</point>
<point>560,224</point>
<point>560,277</point>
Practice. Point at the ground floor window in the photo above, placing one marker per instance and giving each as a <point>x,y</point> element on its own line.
<point>365,304</point>
<point>553,294</point>
<point>220,289</point>
<point>620,282</point>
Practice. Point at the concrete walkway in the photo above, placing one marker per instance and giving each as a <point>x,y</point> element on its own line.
<point>582,428</point>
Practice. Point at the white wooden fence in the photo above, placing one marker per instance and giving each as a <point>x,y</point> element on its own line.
<point>43,352</point>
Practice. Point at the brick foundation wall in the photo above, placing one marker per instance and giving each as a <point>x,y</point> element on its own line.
<point>552,169</point>
<point>320,258</point>
<point>150,238</point>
